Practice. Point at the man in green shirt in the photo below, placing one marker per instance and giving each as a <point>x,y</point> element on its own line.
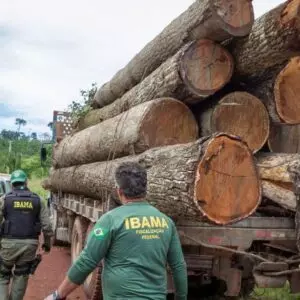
<point>136,241</point>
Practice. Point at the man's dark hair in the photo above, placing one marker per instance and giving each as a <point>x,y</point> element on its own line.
<point>132,180</point>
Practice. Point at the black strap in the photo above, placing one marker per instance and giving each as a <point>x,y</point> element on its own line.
<point>23,269</point>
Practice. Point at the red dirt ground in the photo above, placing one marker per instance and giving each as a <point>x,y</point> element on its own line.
<point>50,274</point>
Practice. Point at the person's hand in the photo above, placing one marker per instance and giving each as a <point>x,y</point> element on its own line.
<point>50,297</point>
<point>54,296</point>
<point>46,247</point>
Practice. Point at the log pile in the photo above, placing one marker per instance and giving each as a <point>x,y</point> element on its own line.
<point>210,107</point>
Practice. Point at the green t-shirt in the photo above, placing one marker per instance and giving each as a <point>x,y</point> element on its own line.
<point>136,242</point>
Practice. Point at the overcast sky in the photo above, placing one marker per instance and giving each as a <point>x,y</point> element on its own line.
<point>52,49</point>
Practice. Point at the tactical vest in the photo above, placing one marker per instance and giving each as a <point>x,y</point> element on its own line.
<point>21,214</point>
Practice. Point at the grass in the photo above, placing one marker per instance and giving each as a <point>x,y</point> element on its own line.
<point>35,186</point>
<point>274,294</point>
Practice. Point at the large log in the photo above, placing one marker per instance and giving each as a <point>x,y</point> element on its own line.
<point>214,177</point>
<point>277,166</point>
<point>274,38</point>
<point>159,122</point>
<point>277,172</point>
<point>281,92</point>
<point>240,114</point>
<point>198,70</point>
<point>213,19</point>
<point>284,138</point>
<point>280,195</point>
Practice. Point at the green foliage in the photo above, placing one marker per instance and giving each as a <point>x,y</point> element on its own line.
<point>81,107</point>
<point>35,185</point>
<point>23,152</point>
<point>20,122</point>
<point>274,294</point>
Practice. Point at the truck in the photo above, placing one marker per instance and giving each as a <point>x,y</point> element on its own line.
<point>224,261</point>
<point>5,186</point>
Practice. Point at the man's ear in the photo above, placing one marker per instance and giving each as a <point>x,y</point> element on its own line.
<point>119,192</point>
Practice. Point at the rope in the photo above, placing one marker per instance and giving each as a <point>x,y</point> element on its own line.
<point>112,152</point>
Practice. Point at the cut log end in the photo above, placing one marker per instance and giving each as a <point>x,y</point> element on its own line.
<point>206,67</point>
<point>227,187</point>
<point>291,13</point>
<point>287,92</point>
<point>284,138</point>
<point>243,115</point>
<point>168,122</point>
<point>237,15</point>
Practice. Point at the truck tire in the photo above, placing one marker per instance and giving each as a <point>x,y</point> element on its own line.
<point>247,288</point>
<point>92,285</point>
<point>78,237</point>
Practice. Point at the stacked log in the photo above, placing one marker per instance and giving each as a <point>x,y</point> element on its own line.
<point>241,114</point>
<point>277,180</point>
<point>197,70</point>
<point>148,125</point>
<point>187,181</point>
<point>274,38</point>
<point>213,19</point>
<point>213,118</point>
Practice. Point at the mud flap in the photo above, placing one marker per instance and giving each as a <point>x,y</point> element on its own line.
<point>262,279</point>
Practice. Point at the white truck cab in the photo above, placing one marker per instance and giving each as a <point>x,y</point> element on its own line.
<point>5,186</point>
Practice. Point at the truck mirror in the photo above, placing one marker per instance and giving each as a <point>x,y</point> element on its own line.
<point>43,154</point>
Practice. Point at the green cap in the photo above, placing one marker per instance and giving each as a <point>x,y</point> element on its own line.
<point>18,176</point>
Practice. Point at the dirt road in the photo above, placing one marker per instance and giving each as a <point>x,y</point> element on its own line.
<point>50,273</point>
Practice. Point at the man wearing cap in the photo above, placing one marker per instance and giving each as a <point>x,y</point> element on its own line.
<point>22,217</point>
<point>136,242</point>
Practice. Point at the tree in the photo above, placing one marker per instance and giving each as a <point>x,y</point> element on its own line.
<point>50,125</point>
<point>83,106</point>
<point>9,134</point>
<point>20,122</point>
<point>44,136</point>
<point>33,136</point>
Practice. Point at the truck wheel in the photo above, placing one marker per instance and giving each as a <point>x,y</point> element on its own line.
<point>247,287</point>
<point>78,237</point>
<point>92,285</point>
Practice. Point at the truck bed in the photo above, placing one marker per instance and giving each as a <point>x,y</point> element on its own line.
<point>239,235</point>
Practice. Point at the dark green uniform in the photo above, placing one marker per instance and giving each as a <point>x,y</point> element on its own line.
<point>136,241</point>
<point>19,253</point>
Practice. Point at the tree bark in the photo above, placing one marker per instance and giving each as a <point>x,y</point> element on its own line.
<point>198,70</point>
<point>215,178</point>
<point>240,114</point>
<point>159,122</point>
<point>284,138</point>
<point>274,38</point>
<point>278,194</point>
<point>277,172</point>
<point>213,19</point>
<point>277,166</point>
<point>281,92</point>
